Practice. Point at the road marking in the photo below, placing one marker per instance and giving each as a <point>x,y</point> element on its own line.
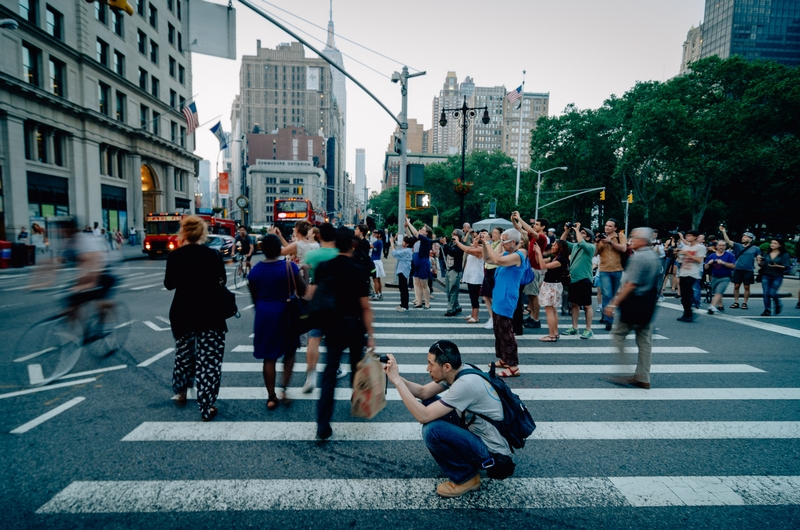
<point>169,496</point>
<point>145,287</point>
<point>164,319</point>
<point>274,431</point>
<point>483,336</point>
<point>773,317</point>
<point>15,289</point>
<point>251,306</point>
<point>124,324</point>
<point>557,350</point>
<point>35,354</point>
<point>46,416</point>
<point>555,394</point>
<point>92,372</point>
<point>154,327</point>
<point>156,357</point>
<point>774,328</point>
<point>538,369</point>
<point>47,387</point>
<point>450,324</point>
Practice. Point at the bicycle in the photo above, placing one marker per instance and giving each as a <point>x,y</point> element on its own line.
<point>53,346</point>
<point>239,277</point>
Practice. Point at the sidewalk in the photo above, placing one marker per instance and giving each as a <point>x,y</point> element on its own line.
<point>128,253</point>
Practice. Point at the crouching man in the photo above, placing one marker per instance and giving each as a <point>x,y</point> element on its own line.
<point>461,448</point>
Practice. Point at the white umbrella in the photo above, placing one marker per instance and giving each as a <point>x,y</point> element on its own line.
<point>488,224</point>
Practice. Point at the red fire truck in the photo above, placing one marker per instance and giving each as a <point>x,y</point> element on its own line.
<point>161,231</point>
<point>288,212</point>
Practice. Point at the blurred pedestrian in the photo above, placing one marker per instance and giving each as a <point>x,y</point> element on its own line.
<point>692,255</point>
<point>719,266</point>
<point>271,283</point>
<point>402,268</point>
<point>196,272</point>
<point>23,235</point>
<point>774,263</point>
<point>379,274</point>
<point>454,268</point>
<point>422,267</point>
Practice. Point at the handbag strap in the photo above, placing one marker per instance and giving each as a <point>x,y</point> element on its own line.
<point>291,286</point>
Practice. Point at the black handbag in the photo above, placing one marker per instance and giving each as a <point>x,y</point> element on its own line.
<point>229,308</point>
<point>638,309</point>
<point>297,307</point>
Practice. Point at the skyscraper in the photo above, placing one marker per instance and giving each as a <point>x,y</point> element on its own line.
<point>339,83</point>
<point>447,140</point>
<point>753,29</point>
<point>532,105</point>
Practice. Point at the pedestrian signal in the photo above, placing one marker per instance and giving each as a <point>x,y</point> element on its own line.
<point>630,198</point>
<point>602,195</point>
<point>422,200</point>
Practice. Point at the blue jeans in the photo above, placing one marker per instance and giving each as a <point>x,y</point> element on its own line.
<point>697,291</point>
<point>770,286</point>
<point>458,452</point>
<point>609,285</point>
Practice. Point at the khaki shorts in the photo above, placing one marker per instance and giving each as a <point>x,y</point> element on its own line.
<point>532,289</point>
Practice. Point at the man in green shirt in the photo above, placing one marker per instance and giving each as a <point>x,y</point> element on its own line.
<point>580,273</point>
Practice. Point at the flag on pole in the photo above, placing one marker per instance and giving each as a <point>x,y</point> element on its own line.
<point>220,134</point>
<point>514,95</point>
<point>192,121</point>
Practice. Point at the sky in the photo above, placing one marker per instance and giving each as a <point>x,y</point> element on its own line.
<point>580,51</point>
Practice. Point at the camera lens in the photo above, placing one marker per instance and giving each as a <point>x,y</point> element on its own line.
<point>384,359</point>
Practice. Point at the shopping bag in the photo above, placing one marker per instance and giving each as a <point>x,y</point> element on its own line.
<point>369,388</point>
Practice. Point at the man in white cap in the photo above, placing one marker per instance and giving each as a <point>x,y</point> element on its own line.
<point>745,253</point>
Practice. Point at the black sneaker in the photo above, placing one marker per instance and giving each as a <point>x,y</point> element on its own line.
<point>533,324</point>
<point>608,326</point>
<point>685,318</point>
<point>458,310</point>
<point>766,313</point>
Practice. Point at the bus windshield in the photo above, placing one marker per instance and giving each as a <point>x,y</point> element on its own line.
<point>291,206</point>
<point>163,227</point>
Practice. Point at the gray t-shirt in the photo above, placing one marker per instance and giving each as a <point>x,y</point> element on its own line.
<point>745,256</point>
<point>473,392</point>
<point>643,269</point>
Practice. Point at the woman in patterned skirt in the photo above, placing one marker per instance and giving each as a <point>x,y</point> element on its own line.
<point>196,272</point>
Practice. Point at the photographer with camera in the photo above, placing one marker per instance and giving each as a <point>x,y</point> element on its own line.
<point>611,246</point>
<point>461,448</point>
<point>453,268</point>
<point>580,287</point>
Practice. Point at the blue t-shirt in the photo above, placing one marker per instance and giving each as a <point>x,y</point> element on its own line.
<point>506,288</point>
<point>721,271</point>
<point>377,250</point>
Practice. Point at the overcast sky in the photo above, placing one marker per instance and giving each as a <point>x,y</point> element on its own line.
<point>580,51</point>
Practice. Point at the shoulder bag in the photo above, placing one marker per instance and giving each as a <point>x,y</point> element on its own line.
<point>297,307</point>
<point>229,308</point>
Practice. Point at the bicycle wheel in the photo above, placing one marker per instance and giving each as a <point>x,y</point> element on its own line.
<point>238,276</point>
<point>107,328</point>
<point>47,351</point>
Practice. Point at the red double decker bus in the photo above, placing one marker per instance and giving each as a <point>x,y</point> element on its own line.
<point>287,212</point>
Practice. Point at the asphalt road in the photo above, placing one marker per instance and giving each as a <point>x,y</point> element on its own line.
<point>715,443</point>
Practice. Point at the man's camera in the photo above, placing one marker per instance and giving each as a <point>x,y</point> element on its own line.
<point>568,224</point>
<point>601,236</point>
<point>384,359</point>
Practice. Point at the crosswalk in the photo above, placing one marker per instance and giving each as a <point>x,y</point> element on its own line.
<point>696,398</point>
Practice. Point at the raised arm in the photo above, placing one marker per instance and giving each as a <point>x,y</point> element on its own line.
<point>411,227</point>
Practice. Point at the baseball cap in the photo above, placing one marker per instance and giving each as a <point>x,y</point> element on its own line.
<point>551,229</point>
<point>750,235</point>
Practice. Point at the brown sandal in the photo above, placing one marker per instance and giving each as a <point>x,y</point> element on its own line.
<point>272,403</point>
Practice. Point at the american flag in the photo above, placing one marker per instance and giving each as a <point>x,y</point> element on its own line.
<point>514,95</point>
<point>192,121</point>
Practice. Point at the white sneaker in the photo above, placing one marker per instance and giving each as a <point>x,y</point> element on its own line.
<point>599,308</point>
<point>340,373</point>
<point>311,382</point>
<point>488,325</point>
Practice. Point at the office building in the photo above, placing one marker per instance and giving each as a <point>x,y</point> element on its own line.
<point>531,106</point>
<point>486,137</point>
<point>692,47</point>
<point>90,113</point>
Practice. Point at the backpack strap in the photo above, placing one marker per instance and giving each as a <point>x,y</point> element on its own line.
<point>476,371</point>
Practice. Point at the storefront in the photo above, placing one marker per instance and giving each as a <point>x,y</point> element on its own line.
<point>48,196</point>
<point>115,209</point>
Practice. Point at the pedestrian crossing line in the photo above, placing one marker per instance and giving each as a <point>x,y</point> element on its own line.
<point>170,496</point>
<point>141,287</point>
<point>522,350</point>
<point>539,369</point>
<point>774,328</point>
<point>47,387</point>
<point>450,324</point>
<point>553,394</point>
<point>488,335</point>
<point>276,431</point>
<point>22,429</point>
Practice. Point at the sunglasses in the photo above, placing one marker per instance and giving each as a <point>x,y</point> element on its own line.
<point>437,347</point>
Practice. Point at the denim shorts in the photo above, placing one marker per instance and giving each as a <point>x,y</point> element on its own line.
<point>315,334</point>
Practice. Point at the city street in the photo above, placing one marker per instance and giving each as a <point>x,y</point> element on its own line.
<point>714,443</point>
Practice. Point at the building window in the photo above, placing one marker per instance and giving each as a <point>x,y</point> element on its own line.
<point>171,34</point>
<point>173,132</point>
<point>144,116</point>
<point>28,11</point>
<point>140,7</point>
<point>55,23</point>
<point>30,64</point>
<point>170,5</point>
<point>183,137</point>
<point>179,9</point>
<point>56,77</point>
<point>153,52</point>
<point>180,43</point>
<point>101,12</point>
<point>119,63</point>
<point>181,74</point>
<point>173,98</point>
<point>153,19</point>
<point>121,102</point>
<point>117,22</point>
<point>141,41</point>
<point>156,123</point>
<point>103,95</point>
<point>102,52</point>
<point>182,102</point>
<point>143,79</point>
<point>172,65</point>
<point>155,86</point>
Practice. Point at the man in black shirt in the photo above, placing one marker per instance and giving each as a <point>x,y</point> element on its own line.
<point>453,267</point>
<point>245,248</point>
<point>348,327</point>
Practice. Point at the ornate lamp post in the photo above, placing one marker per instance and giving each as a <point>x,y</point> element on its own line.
<point>465,116</point>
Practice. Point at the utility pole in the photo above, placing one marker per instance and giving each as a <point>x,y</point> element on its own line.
<point>403,78</point>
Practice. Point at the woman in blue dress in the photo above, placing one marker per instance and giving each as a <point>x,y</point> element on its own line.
<point>270,283</point>
<point>422,264</point>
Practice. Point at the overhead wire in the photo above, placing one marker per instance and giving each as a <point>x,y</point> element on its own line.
<point>338,36</point>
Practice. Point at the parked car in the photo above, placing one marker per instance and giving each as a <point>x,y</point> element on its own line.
<point>222,244</point>
<point>256,238</point>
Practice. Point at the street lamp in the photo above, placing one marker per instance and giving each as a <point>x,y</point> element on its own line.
<point>539,185</point>
<point>465,116</point>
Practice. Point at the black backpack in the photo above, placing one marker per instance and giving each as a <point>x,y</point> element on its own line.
<point>517,422</point>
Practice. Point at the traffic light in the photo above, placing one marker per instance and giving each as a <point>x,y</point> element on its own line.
<point>398,147</point>
<point>408,200</point>
<point>422,200</point>
<point>630,198</point>
<point>602,195</point>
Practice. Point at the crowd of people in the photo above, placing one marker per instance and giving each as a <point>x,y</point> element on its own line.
<point>341,270</point>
